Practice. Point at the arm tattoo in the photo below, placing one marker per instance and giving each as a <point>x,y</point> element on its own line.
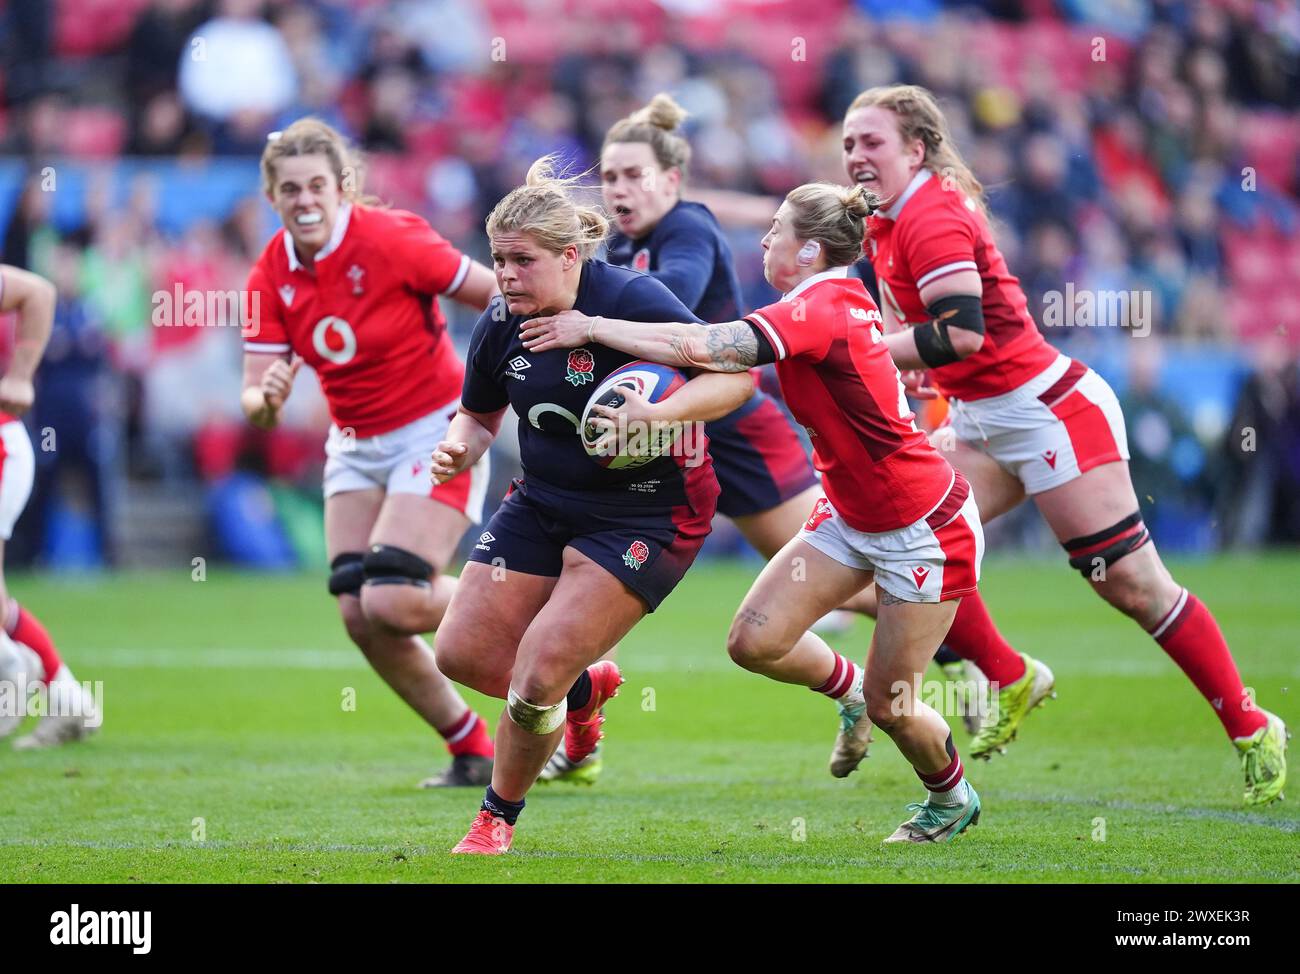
<point>887,598</point>
<point>753,617</point>
<point>732,347</point>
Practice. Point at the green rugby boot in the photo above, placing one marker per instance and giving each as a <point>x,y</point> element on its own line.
<point>1010,706</point>
<point>1263,760</point>
<point>939,823</point>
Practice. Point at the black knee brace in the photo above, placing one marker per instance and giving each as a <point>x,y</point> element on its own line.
<point>387,564</point>
<point>346,573</point>
<point>1118,540</point>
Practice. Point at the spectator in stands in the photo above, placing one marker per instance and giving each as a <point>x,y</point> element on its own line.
<point>74,429</point>
<point>236,74</point>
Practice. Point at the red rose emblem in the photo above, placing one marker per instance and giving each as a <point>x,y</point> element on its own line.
<point>581,365</point>
<point>636,556</point>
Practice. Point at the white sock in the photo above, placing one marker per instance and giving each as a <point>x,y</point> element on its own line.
<point>956,795</point>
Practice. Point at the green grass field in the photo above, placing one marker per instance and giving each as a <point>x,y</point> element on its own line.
<point>224,702</point>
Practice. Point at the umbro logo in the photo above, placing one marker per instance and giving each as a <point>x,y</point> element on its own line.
<point>486,537</point>
<point>519,363</point>
<point>920,574</point>
<point>1050,457</point>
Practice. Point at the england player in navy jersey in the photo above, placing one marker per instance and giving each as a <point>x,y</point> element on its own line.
<point>577,552</point>
<point>768,483</point>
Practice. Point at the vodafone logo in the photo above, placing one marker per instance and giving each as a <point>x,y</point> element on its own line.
<point>334,340</point>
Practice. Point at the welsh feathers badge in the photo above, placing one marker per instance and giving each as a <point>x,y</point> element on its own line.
<point>581,366</point>
<point>821,512</point>
<point>636,555</point>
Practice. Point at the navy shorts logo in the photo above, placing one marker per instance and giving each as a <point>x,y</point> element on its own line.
<point>636,555</point>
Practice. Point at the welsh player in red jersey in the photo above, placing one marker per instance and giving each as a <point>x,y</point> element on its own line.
<point>27,653</point>
<point>1026,421</point>
<point>894,510</point>
<point>352,290</point>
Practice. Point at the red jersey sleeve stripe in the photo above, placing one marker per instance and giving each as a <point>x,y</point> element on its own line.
<point>461,273</point>
<point>266,347</point>
<point>945,270</point>
<point>772,334</point>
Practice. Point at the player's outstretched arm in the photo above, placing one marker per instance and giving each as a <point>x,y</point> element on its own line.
<point>268,380</point>
<point>704,398</point>
<point>34,298</point>
<point>468,437</point>
<point>729,346</point>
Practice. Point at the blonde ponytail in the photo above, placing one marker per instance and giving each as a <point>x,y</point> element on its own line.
<point>834,216</point>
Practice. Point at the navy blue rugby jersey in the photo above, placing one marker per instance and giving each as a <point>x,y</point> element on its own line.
<point>688,253</point>
<point>549,391</point>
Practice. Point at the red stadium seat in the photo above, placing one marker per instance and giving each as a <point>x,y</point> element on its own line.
<point>1270,142</point>
<point>94,133</point>
<point>88,27</point>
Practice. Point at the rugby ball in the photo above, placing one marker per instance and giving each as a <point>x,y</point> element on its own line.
<point>637,444</point>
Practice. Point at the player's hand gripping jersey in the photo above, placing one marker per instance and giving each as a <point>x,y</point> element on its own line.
<point>367,319</point>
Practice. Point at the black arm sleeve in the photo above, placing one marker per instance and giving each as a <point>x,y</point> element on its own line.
<point>954,311</point>
<point>766,353</point>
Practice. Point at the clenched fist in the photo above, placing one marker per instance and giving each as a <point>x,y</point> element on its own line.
<point>447,461</point>
<point>16,395</point>
<point>277,381</point>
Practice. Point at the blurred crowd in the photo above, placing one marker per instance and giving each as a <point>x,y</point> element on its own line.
<point>1143,146</point>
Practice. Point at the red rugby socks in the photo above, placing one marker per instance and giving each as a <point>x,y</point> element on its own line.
<point>468,735</point>
<point>974,637</point>
<point>1193,640</point>
<point>27,629</point>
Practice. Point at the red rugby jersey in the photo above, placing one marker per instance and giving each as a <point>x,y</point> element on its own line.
<point>931,232</point>
<point>366,318</point>
<point>838,379</point>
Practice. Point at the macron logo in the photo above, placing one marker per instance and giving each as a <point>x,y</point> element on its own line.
<point>1050,457</point>
<point>132,927</point>
<point>920,575</point>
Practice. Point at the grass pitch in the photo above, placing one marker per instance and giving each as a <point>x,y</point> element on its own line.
<point>227,755</point>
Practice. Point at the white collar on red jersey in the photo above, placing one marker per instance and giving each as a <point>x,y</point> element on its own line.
<point>336,238</point>
<point>919,180</point>
<point>808,282</point>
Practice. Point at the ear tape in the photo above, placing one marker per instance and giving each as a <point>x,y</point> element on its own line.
<point>808,253</point>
